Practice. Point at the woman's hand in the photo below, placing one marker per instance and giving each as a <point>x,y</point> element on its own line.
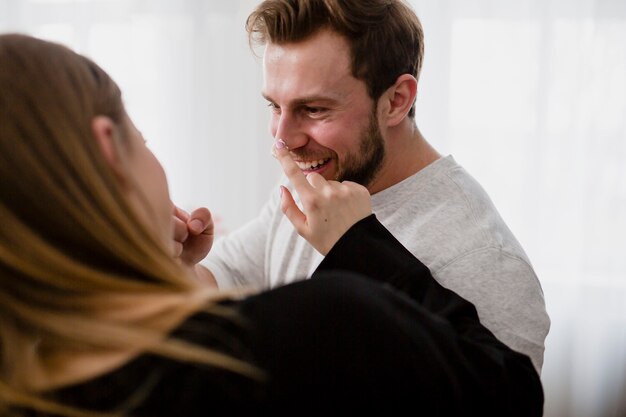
<point>330,207</point>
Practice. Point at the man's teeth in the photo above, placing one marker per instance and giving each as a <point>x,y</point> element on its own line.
<point>311,164</point>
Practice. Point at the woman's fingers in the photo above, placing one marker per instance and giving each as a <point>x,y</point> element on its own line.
<point>316,180</point>
<point>290,209</point>
<point>329,208</point>
<point>291,169</point>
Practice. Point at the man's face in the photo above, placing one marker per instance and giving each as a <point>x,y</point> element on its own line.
<point>322,112</point>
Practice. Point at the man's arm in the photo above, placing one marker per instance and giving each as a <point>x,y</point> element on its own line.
<point>507,294</point>
<point>205,276</point>
<point>193,235</point>
<point>235,260</point>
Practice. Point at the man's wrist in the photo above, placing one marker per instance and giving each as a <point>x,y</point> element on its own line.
<point>204,276</point>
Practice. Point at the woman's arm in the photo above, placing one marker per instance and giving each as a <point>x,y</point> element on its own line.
<point>503,380</point>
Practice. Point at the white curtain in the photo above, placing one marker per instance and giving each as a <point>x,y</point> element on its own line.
<point>191,85</point>
<point>529,95</point>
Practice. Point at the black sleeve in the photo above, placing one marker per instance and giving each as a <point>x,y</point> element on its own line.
<point>372,333</point>
<point>503,377</point>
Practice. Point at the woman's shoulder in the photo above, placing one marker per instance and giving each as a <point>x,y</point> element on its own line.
<point>158,385</point>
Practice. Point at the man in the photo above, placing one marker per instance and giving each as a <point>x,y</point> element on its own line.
<point>340,78</point>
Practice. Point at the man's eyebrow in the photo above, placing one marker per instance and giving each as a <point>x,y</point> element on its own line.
<point>305,100</point>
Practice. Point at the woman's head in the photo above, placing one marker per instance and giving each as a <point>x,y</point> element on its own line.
<point>71,158</point>
<point>84,204</point>
<point>86,262</point>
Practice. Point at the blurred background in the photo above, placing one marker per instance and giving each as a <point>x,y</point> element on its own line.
<point>528,95</point>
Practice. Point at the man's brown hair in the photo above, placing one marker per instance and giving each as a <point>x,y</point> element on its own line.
<point>385,36</point>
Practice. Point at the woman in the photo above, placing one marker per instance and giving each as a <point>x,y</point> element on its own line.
<point>101,314</point>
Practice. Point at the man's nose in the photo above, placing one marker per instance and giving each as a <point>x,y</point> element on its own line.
<point>290,131</point>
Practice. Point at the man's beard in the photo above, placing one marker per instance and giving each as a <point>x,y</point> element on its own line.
<point>362,167</point>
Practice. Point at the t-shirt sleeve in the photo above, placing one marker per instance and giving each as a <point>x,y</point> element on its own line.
<point>238,259</point>
<point>508,296</point>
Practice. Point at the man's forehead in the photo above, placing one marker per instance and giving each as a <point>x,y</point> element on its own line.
<point>301,86</point>
<point>317,69</point>
<point>323,48</point>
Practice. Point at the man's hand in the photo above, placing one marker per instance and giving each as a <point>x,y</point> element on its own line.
<point>193,235</point>
<point>193,238</point>
<point>330,207</point>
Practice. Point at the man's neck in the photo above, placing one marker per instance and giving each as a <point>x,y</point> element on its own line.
<point>407,152</point>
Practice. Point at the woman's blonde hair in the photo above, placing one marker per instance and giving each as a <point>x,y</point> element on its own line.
<point>72,250</point>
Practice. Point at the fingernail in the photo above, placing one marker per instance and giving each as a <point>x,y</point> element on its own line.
<point>196,226</point>
<point>279,144</point>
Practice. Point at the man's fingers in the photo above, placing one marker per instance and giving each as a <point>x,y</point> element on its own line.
<point>181,214</point>
<point>180,230</point>
<point>177,249</point>
<point>200,221</point>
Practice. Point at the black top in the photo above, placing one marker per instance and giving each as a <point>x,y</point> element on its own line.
<point>370,331</point>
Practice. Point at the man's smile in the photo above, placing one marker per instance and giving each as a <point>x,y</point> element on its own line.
<point>310,165</point>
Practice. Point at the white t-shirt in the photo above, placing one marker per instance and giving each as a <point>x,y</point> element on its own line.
<point>445,218</point>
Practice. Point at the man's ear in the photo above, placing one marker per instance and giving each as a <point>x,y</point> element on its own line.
<point>399,99</point>
<point>105,133</point>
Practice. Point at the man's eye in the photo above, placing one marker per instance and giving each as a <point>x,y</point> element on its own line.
<point>313,110</point>
<point>273,107</point>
